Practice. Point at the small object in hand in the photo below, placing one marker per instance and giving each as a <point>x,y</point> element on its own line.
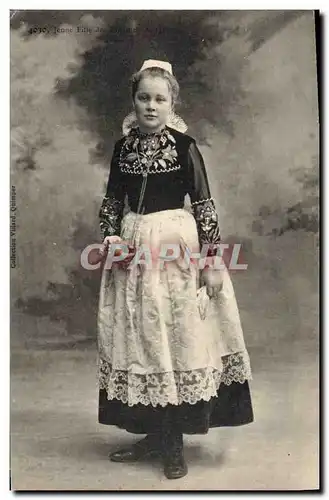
<point>123,264</point>
<point>202,301</point>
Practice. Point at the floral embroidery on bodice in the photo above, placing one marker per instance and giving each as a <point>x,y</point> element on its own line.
<point>153,153</point>
<point>166,152</point>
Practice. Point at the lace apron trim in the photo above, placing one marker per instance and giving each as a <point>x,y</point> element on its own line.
<point>172,387</point>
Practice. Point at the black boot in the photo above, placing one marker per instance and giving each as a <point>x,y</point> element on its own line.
<point>173,457</point>
<point>149,446</point>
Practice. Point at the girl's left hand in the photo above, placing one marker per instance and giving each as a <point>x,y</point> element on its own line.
<point>213,279</point>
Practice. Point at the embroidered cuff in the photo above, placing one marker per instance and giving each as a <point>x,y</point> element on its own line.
<point>110,215</point>
<point>201,201</point>
<point>206,217</point>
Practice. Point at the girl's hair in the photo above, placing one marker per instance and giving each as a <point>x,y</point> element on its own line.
<point>156,72</point>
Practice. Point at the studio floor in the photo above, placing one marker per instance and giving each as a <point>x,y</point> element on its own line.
<point>57,444</point>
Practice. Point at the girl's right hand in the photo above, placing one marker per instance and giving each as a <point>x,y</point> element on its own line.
<point>109,240</point>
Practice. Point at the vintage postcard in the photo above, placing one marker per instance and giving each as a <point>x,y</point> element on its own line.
<point>164,250</point>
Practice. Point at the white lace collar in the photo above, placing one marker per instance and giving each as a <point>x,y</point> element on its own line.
<point>175,122</point>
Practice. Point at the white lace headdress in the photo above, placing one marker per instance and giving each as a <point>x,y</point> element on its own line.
<point>174,121</point>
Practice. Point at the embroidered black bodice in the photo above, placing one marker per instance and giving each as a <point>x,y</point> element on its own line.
<point>174,168</point>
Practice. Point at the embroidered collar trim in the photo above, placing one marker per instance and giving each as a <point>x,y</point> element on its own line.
<point>135,154</point>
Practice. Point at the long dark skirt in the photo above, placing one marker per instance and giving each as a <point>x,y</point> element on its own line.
<point>231,407</point>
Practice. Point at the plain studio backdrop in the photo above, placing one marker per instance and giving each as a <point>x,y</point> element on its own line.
<point>249,96</point>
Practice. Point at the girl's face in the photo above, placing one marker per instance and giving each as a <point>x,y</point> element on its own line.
<point>153,103</point>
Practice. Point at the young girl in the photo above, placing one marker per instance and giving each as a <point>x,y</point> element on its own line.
<point>167,367</point>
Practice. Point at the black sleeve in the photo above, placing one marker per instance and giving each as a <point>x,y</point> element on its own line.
<point>203,205</point>
<point>111,210</point>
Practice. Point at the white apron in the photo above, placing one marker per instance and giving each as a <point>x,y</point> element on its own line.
<point>154,348</point>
